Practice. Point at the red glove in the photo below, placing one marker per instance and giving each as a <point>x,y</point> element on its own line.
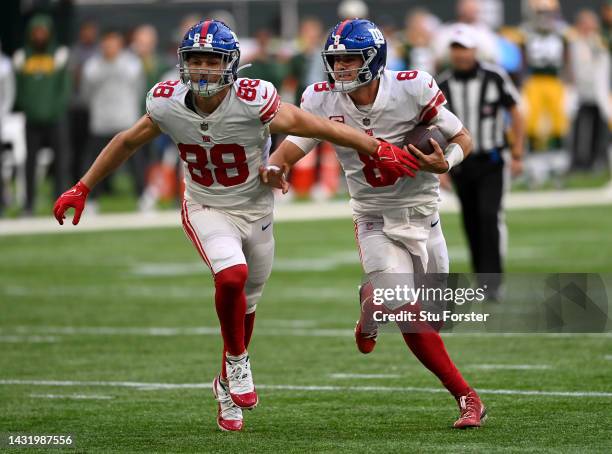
<point>72,198</point>
<point>393,161</point>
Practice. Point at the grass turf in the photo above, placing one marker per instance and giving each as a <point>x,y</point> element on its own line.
<point>153,278</point>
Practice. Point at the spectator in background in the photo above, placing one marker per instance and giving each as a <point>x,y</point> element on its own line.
<point>546,57</point>
<point>469,13</point>
<point>387,26</point>
<point>350,9</point>
<point>113,83</point>
<point>416,51</point>
<point>85,47</point>
<point>144,45</point>
<point>264,62</point>
<point>306,68</point>
<point>43,93</point>
<point>7,98</point>
<point>591,71</point>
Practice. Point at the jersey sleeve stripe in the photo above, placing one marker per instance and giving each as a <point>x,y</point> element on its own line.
<point>431,109</point>
<point>269,103</point>
<point>269,114</point>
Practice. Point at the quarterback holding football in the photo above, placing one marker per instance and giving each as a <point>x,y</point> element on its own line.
<point>397,225</point>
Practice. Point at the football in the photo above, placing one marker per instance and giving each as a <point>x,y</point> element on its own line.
<point>420,135</point>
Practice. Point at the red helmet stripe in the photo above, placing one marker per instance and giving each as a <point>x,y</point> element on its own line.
<point>204,31</point>
<point>341,26</point>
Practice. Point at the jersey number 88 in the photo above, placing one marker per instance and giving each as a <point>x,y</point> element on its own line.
<point>201,174</point>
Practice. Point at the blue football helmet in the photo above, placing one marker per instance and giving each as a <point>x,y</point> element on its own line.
<point>209,36</point>
<point>350,37</point>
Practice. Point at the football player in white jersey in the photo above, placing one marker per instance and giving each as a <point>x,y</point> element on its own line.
<point>221,125</point>
<point>397,225</point>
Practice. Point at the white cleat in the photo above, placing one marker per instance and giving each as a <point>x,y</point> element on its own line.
<point>240,381</point>
<point>229,415</point>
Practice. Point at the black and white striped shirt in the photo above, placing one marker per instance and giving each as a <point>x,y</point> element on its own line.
<point>480,100</point>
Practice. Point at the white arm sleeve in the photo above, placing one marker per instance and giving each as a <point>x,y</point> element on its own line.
<point>303,143</point>
<point>308,104</point>
<point>448,122</point>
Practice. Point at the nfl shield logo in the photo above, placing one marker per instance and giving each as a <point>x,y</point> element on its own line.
<point>204,126</point>
<point>366,122</point>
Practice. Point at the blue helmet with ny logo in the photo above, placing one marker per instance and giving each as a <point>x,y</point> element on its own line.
<point>355,37</point>
<point>209,37</point>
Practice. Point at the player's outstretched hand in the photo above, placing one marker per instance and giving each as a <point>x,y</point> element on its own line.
<point>434,162</point>
<point>393,161</point>
<point>275,177</point>
<point>74,197</point>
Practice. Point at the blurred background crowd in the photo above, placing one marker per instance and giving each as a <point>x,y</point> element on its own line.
<point>74,73</point>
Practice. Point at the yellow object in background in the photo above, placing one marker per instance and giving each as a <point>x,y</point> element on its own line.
<point>545,97</point>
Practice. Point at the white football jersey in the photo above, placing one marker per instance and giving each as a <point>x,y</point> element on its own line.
<point>222,151</point>
<point>404,99</point>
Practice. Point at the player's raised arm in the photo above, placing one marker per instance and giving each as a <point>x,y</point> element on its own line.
<point>297,122</point>
<point>116,152</point>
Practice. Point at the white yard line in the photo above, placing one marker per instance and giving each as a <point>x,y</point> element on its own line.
<point>365,376</point>
<point>338,209</point>
<point>12,339</point>
<point>333,388</point>
<point>71,396</point>
<point>509,366</point>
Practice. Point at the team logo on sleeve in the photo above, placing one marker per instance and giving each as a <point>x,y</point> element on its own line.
<point>338,118</point>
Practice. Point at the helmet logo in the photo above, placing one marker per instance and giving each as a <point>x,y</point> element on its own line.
<point>196,40</point>
<point>377,35</point>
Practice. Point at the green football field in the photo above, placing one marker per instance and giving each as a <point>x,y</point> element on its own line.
<point>112,337</point>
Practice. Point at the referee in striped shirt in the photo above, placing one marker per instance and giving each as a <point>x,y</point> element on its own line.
<point>485,99</point>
